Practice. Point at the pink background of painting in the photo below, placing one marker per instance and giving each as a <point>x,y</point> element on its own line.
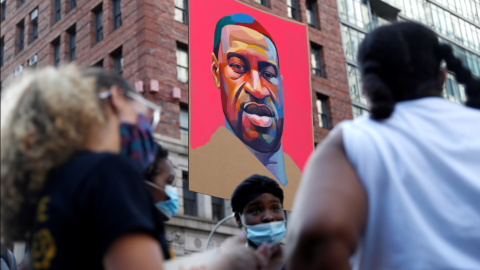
<point>206,113</point>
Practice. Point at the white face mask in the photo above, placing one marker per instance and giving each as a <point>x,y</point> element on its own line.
<point>272,232</point>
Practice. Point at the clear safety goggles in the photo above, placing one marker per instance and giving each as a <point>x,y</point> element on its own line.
<point>148,108</point>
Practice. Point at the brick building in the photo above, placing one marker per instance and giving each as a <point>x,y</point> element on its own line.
<point>147,42</point>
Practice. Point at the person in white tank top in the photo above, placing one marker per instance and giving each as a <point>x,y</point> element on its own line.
<point>399,189</point>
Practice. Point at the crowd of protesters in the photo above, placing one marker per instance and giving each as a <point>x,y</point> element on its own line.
<point>84,183</point>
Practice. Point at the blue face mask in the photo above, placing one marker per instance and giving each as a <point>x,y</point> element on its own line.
<point>272,232</point>
<point>170,206</point>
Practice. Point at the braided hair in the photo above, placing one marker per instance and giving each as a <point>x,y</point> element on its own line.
<point>402,61</point>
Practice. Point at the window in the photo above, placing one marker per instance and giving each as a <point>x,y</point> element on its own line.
<point>57,10</point>
<point>181,11</point>
<point>32,62</point>
<point>182,63</point>
<point>117,61</point>
<point>72,3</point>
<point>98,64</point>
<point>72,43</point>
<point>56,52</point>
<point>2,51</point>
<point>98,22</point>
<point>358,111</point>
<point>4,9</point>
<point>323,111</point>
<point>189,198</point>
<point>355,12</point>
<point>312,12</point>
<point>218,212</point>
<point>292,9</point>
<point>262,2</point>
<point>117,14</point>
<point>316,60</point>
<point>355,85</point>
<point>21,2</point>
<point>183,119</point>
<point>34,24</point>
<point>21,36</point>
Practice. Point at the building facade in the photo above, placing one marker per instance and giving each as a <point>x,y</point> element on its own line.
<point>456,22</point>
<point>146,41</point>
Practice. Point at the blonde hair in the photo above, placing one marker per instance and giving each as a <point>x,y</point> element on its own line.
<point>46,116</point>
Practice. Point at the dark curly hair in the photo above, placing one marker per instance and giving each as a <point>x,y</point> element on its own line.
<point>402,61</point>
<point>153,168</point>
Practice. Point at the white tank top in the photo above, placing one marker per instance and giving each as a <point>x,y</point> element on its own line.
<point>421,172</point>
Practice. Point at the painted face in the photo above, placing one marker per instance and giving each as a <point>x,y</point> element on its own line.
<point>248,75</point>
<point>263,209</point>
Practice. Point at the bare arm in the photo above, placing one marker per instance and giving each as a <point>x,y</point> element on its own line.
<point>329,210</point>
<point>135,251</point>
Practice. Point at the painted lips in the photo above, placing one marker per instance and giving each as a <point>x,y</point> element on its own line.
<point>259,115</point>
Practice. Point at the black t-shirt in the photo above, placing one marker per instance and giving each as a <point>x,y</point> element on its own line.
<point>88,204</point>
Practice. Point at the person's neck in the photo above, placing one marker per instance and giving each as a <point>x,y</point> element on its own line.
<point>104,138</point>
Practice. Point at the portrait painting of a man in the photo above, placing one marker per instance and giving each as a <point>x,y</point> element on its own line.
<point>245,68</point>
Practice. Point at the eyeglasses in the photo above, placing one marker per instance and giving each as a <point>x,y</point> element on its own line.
<point>156,110</point>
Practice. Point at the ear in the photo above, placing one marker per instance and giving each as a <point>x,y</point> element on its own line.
<point>121,107</point>
<point>238,220</point>
<point>215,71</point>
<point>118,100</point>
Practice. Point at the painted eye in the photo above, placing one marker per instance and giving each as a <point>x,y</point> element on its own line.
<point>268,75</point>
<point>237,68</point>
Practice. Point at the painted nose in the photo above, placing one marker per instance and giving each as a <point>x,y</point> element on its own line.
<point>254,86</point>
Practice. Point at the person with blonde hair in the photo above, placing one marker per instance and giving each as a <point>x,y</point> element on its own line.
<point>74,143</point>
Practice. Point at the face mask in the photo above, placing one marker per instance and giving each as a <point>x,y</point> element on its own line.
<point>170,206</point>
<point>138,143</point>
<point>266,232</point>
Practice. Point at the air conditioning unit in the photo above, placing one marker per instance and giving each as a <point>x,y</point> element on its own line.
<point>18,70</point>
<point>34,14</point>
<point>33,60</point>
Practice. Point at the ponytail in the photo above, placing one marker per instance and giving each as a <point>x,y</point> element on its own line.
<point>462,74</point>
<point>380,96</point>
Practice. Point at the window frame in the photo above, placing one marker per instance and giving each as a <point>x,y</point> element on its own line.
<point>190,205</point>
<point>56,52</point>
<point>183,111</point>
<point>117,13</point>
<point>316,53</point>
<point>117,59</point>
<point>312,14</point>
<point>98,23</point>
<point>21,36</point>
<point>324,119</point>
<point>4,10</point>
<point>57,10</point>
<point>72,4</point>
<point>183,48</point>
<point>72,43</point>
<point>2,51</point>
<point>183,10</point>
<point>218,208</point>
<point>262,2</point>
<point>293,9</point>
